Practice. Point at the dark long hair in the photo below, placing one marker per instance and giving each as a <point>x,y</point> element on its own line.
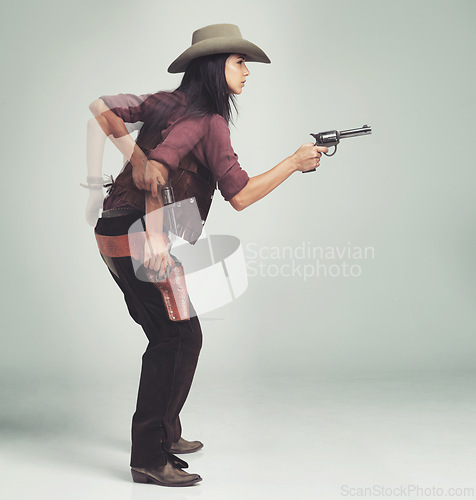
<point>205,86</point>
<point>207,92</point>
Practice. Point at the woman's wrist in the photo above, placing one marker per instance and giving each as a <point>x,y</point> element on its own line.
<point>291,164</point>
<point>93,183</point>
<point>138,158</point>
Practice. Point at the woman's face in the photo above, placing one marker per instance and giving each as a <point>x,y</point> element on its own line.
<point>236,73</point>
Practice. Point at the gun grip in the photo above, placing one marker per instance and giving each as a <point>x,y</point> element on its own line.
<point>307,171</point>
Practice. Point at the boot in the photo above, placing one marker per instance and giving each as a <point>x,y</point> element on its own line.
<point>164,475</point>
<point>184,446</point>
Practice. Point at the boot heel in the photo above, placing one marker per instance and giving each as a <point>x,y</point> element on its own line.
<point>139,477</point>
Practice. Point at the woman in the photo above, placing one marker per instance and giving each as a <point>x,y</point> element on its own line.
<point>184,142</point>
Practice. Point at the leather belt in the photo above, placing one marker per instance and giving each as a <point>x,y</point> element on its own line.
<point>119,211</point>
<point>125,245</point>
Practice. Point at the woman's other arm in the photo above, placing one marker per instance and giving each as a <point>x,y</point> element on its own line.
<point>146,175</point>
<point>307,157</point>
<point>95,140</point>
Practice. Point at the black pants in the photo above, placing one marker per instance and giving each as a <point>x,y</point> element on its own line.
<point>168,364</point>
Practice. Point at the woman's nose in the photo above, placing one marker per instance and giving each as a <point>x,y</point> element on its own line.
<point>247,71</point>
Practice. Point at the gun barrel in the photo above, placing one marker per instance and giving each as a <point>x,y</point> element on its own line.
<point>169,199</point>
<point>354,132</point>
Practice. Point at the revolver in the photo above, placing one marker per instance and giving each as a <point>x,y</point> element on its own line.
<point>333,137</point>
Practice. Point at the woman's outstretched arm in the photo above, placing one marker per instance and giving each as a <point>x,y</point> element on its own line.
<point>305,158</point>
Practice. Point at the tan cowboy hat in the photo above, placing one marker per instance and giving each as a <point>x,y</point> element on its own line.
<point>217,39</point>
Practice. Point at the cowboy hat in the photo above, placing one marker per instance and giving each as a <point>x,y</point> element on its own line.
<point>217,39</point>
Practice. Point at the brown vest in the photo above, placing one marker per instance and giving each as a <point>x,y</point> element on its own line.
<point>190,180</point>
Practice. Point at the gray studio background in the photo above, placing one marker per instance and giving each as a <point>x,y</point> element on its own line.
<point>405,68</point>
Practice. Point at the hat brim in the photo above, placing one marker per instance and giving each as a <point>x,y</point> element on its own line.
<point>218,45</point>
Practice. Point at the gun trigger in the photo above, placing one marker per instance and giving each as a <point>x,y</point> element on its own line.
<point>333,152</point>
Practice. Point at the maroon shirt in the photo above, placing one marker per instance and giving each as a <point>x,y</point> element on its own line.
<point>207,138</point>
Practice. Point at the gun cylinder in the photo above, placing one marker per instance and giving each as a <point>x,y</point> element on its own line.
<point>329,138</point>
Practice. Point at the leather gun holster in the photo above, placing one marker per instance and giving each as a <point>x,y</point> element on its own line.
<point>172,286</point>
